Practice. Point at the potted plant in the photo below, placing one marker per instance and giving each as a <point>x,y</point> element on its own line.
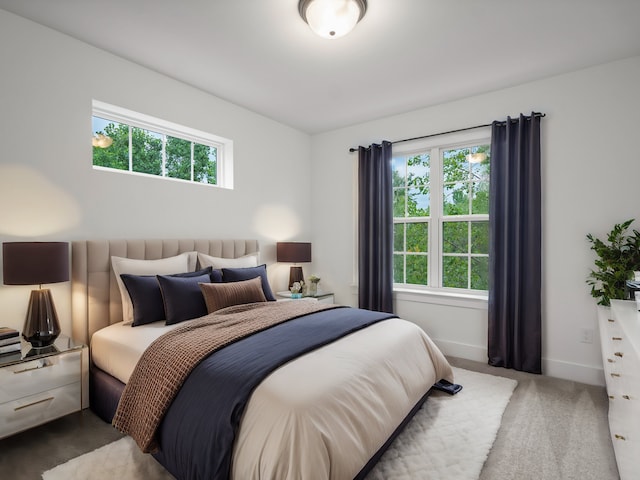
<point>618,258</point>
<point>313,287</point>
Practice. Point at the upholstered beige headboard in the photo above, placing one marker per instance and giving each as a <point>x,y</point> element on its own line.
<point>95,298</point>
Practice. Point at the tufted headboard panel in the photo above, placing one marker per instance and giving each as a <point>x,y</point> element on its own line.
<point>95,298</point>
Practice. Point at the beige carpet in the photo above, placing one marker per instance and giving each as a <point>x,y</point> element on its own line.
<point>450,437</point>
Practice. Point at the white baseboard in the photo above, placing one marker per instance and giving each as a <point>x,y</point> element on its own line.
<point>462,350</point>
<point>551,368</point>
<point>573,371</point>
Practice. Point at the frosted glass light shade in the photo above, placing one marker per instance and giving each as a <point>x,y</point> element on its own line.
<point>102,141</point>
<point>476,157</point>
<point>332,18</point>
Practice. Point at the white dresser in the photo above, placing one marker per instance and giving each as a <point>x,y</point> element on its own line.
<point>620,336</point>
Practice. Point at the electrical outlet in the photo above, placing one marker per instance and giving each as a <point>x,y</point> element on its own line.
<point>586,335</point>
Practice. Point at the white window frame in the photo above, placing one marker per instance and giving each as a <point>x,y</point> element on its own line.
<point>434,292</point>
<point>224,146</point>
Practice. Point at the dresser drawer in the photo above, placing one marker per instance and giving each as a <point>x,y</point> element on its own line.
<point>28,378</point>
<point>626,444</point>
<point>27,412</point>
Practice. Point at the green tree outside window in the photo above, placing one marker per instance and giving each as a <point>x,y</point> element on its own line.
<point>147,154</point>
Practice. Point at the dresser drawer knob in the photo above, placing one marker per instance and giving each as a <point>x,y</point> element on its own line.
<point>611,320</point>
<point>611,360</point>
<point>616,338</point>
<point>619,437</point>
<point>32,404</point>
<point>618,354</point>
<point>626,397</point>
<point>615,374</point>
<point>611,397</point>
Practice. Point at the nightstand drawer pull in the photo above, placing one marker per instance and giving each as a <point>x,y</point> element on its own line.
<point>616,338</point>
<point>615,374</point>
<point>611,320</point>
<point>611,397</point>
<point>618,354</point>
<point>611,360</point>
<point>619,437</point>
<point>32,404</point>
<point>626,397</point>
<point>44,365</point>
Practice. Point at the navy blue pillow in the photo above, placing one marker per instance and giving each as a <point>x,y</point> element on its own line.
<point>146,296</point>
<point>182,297</point>
<point>216,275</point>
<point>238,274</point>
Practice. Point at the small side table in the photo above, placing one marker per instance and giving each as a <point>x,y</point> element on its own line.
<point>322,297</point>
<point>40,385</point>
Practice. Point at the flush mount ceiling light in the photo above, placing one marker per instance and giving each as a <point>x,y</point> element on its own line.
<point>332,18</point>
<point>100,140</point>
<point>476,157</point>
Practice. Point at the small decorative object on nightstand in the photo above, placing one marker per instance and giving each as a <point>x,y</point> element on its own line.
<point>321,297</point>
<point>313,285</point>
<point>9,340</point>
<point>296,289</point>
<point>35,263</point>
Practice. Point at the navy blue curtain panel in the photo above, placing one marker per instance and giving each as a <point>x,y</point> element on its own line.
<point>514,339</point>
<point>375,228</point>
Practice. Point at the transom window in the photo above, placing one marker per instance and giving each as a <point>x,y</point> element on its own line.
<point>441,216</point>
<point>136,143</point>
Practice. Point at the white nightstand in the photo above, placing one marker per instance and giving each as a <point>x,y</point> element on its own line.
<point>321,297</point>
<point>40,385</point>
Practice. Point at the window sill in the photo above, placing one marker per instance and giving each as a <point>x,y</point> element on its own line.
<point>454,299</point>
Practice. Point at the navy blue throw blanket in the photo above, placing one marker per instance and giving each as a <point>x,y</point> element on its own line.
<point>197,434</point>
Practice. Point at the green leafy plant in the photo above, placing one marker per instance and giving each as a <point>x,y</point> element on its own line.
<point>618,258</point>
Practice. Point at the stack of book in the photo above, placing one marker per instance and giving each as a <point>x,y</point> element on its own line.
<point>9,340</point>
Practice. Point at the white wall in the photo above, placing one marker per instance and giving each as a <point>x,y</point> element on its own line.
<point>49,191</point>
<point>591,175</point>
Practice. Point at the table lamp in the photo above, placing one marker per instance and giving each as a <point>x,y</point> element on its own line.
<point>37,263</point>
<point>293,252</point>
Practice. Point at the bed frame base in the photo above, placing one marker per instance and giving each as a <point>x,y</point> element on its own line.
<point>104,393</point>
<point>371,463</point>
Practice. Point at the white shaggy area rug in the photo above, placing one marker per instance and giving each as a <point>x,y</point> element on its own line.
<point>449,437</point>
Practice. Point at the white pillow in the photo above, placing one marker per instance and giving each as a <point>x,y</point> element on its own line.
<point>185,262</point>
<point>217,263</point>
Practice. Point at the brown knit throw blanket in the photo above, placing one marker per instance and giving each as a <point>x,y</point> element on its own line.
<point>169,360</point>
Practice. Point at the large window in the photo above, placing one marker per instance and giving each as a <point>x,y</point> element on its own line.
<point>441,216</point>
<point>131,142</point>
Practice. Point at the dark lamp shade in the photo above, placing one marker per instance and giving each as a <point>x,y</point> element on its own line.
<point>35,263</point>
<point>293,252</point>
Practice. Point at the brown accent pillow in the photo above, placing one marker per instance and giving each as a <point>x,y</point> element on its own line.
<point>222,295</point>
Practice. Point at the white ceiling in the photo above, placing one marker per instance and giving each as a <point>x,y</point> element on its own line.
<point>403,55</point>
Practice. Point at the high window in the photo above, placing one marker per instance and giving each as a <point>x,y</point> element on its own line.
<point>128,141</point>
<point>441,216</point>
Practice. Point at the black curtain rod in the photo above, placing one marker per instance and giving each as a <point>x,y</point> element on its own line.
<point>535,114</point>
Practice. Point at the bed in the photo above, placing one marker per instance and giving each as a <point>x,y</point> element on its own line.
<point>320,393</point>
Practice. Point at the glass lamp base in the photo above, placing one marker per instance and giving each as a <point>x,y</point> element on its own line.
<point>41,327</point>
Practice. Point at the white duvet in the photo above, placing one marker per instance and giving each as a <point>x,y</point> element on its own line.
<point>323,415</point>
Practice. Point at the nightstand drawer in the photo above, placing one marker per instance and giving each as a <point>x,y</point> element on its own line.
<point>33,410</point>
<point>28,378</point>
